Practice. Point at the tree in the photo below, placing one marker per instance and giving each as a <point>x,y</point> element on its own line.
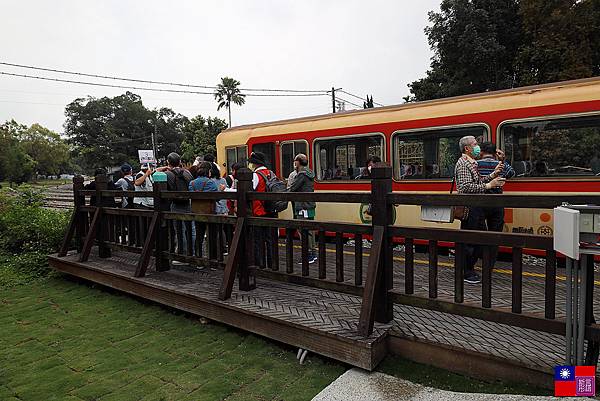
<point>484,45</point>
<point>15,164</point>
<point>200,135</point>
<point>46,148</point>
<point>475,43</point>
<point>560,40</point>
<point>227,92</point>
<point>107,132</point>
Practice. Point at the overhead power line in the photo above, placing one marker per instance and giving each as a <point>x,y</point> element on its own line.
<point>358,97</point>
<point>150,89</point>
<point>349,102</point>
<point>83,74</point>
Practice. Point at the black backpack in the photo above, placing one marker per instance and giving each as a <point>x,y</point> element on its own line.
<point>181,183</point>
<point>130,183</point>
<point>274,184</point>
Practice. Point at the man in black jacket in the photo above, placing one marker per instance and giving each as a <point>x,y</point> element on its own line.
<point>304,181</point>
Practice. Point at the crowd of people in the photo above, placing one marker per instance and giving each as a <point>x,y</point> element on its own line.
<point>480,169</point>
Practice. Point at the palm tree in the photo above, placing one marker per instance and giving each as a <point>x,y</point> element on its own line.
<point>228,91</point>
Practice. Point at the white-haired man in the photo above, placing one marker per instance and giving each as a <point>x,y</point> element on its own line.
<point>469,181</point>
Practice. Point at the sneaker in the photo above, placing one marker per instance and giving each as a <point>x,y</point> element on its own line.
<point>312,259</point>
<point>472,278</point>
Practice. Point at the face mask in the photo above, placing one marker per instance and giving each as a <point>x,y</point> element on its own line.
<point>476,151</point>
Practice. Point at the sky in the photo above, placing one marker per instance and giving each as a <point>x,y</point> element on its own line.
<point>374,48</point>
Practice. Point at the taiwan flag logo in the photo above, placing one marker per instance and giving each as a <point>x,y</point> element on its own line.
<point>574,381</point>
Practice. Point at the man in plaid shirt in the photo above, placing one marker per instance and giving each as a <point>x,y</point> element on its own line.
<point>469,181</point>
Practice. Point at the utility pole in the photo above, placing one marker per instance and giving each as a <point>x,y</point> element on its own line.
<point>154,139</point>
<point>333,97</point>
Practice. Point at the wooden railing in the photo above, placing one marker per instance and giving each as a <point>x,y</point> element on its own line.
<point>160,233</point>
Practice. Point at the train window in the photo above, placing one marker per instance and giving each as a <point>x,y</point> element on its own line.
<point>289,150</point>
<point>236,154</point>
<point>553,147</point>
<point>345,158</point>
<point>268,149</point>
<point>429,154</point>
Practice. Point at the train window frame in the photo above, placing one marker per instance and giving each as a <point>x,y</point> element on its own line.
<point>317,154</point>
<point>487,135</point>
<point>286,142</point>
<point>500,140</point>
<point>273,144</point>
<point>235,148</point>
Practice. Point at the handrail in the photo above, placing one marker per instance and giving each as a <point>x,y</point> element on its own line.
<point>489,200</point>
<point>311,225</point>
<point>338,197</point>
<point>473,237</point>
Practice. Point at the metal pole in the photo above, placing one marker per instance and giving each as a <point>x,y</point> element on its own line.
<point>568,318</point>
<point>154,140</point>
<point>575,309</point>
<point>581,317</point>
<point>333,98</point>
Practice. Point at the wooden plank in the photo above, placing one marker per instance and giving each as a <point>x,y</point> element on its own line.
<point>322,256</point>
<point>374,273</point>
<point>289,250</point>
<point>66,242</point>
<point>147,249</point>
<point>91,236</point>
<point>311,225</point>
<point>304,251</point>
<point>311,282</point>
<point>358,259</point>
<point>232,260</point>
<point>433,269</point>
<point>517,280</point>
<point>473,237</point>
<point>409,266</point>
<point>491,200</point>
<point>486,278</point>
<point>205,218</point>
<point>337,197</point>
<point>498,315</point>
<point>550,285</point>
<point>275,249</point>
<point>113,211</point>
<point>459,272</point>
<point>339,257</point>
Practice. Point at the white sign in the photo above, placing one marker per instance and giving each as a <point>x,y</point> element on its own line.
<point>146,156</point>
<point>566,232</point>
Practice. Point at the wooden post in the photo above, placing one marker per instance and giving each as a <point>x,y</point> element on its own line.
<point>101,185</point>
<point>381,185</point>
<point>247,277</point>
<point>161,238</point>
<point>79,200</point>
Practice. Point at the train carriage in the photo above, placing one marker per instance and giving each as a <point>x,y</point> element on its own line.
<point>550,133</point>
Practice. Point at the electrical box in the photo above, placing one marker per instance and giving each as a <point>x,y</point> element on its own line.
<point>437,214</point>
<point>577,230</point>
<point>566,231</point>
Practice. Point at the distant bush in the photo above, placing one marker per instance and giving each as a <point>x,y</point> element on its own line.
<point>28,232</point>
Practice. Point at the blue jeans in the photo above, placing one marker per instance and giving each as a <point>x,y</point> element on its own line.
<point>184,209</point>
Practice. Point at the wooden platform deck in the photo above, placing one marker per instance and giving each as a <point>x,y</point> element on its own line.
<point>321,321</point>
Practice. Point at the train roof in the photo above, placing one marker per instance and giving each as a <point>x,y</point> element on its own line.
<point>528,96</point>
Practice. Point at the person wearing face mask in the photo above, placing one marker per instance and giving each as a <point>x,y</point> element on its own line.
<point>470,181</point>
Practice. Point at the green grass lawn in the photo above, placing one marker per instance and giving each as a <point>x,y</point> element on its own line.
<point>63,340</point>
<point>66,340</point>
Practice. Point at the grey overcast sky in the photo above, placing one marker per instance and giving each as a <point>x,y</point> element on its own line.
<point>366,47</point>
